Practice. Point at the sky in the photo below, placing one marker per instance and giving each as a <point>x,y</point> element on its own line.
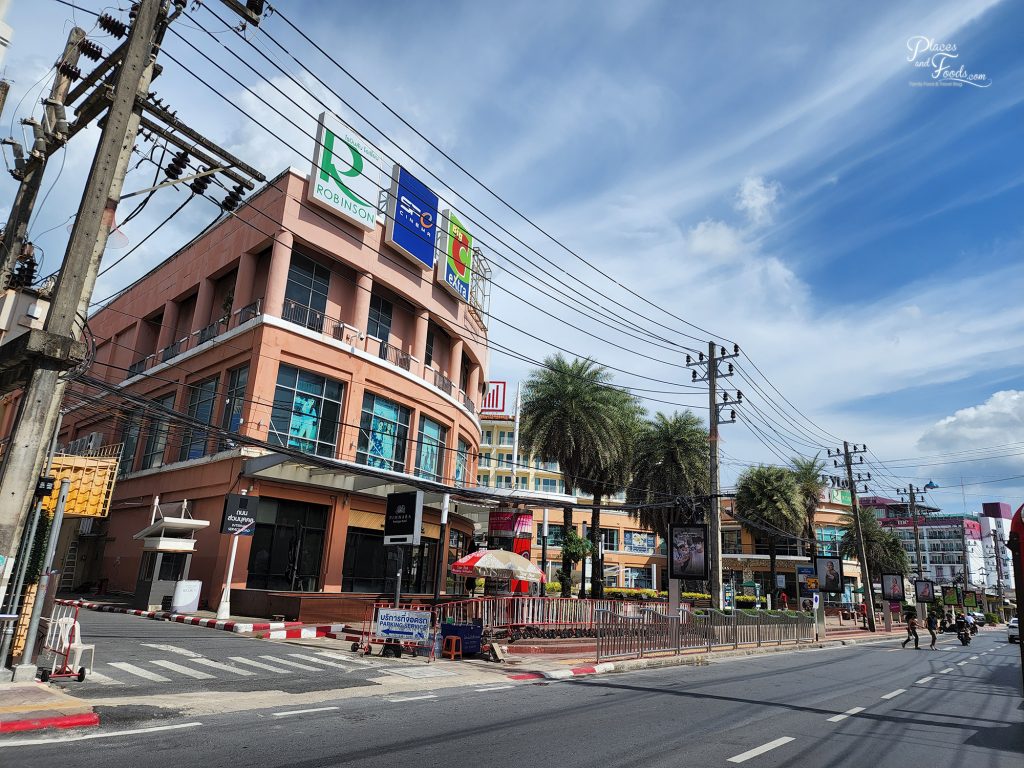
<point>794,178</point>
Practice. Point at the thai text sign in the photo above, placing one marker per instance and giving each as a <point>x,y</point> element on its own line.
<point>407,626</point>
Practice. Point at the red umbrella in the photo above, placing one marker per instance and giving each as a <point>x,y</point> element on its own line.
<point>497,563</point>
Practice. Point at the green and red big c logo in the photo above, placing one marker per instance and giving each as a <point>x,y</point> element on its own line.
<point>458,268</point>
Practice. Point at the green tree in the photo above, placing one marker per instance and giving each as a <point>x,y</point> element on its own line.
<point>575,548</point>
<point>768,503</point>
<point>883,549</point>
<point>809,484</point>
<point>671,459</point>
<point>571,414</point>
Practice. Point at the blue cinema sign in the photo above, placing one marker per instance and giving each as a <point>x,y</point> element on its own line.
<point>412,217</point>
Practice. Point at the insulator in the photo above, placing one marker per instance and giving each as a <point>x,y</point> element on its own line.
<point>200,185</point>
<point>732,415</point>
<point>112,26</point>
<point>255,6</point>
<point>234,198</point>
<point>725,397</point>
<point>721,351</point>
<point>89,49</point>
<point>739,396</point>
<point>177,165</point>
<point>688,359</point>
<point>700,357</point>
<point>735,349</point>
<point>69,71</point>
<point>693,376</point>
<point>730,368</point>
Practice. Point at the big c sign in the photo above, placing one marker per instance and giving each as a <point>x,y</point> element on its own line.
<point>346,173</point>
<point>457,268</point>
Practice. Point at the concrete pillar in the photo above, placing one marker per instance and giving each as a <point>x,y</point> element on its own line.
<point>654,576</point>
<point>168,325</point>
<point>277,277</point>
<point>361,308</point>
<point>244,279</point>
<point>204,305</point>
<point>455,362</point>
<point>473,384</point>
<point>419,341</point>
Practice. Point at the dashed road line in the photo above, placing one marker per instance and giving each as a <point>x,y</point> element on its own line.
<point>495,688</point>
<point>411,698</point>
<point>945,671</point>
<point>961,663</point>
<point>303,711</point>
<point>924,680</point>
<point>744,756</point>
<point>894,694</point>
<point>193,673</point>
<point>846,714</point>
<point>131,669</point>
<point>108,735</point>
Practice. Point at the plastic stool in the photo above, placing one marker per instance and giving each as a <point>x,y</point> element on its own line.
<point>452,645</point>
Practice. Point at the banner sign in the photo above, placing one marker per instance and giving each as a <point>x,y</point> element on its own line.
<point>924,591</point>
<point>346,173</point>
<point>239,515</point>
<point>970,599</point>
<point>494,400</point>
<point>830,574</point>
<point>403,518</point>
<point>840,496</point>
<point>409,626</point>
<point>804,578</point>
<point>412,217</point>
<point>501,522</point>
<point>892,587</point>
<point>457,269</point>
<point>686,558</point>
<point>638,542</point>
<point>950,595</point>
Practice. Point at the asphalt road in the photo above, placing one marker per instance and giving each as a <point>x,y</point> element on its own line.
<point>952,707</point>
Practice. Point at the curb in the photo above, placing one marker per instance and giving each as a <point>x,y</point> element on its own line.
<point>302,633</point>
<point>266,627</point>
<point>57,721</point>
<point>562,674</point>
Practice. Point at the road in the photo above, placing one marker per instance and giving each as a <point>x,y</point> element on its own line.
<point>871,705</point>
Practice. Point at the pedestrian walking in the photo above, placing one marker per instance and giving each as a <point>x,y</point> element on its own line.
<point>932,624</point>
<point>912,633</point>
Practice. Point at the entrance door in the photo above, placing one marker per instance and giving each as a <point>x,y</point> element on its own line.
<point>287,546</point>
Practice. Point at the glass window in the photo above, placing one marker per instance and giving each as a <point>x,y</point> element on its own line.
<point>609,537</point>
<point>461,461</point>
<point>378,323</point>
<point>369,566</point>
<point>306,411</point>
<point>483,480</point>
<point>305,296</point>
<point>201,400</point>
<point>430,449</point>
<point>638,578</point>
<point>129,443</point>
<point>287,545</point>
<point>554,534</point>
<point>486,439</point>
<point>383,433</point>
<point>428,356</point>
<point>234,400</point>
<point>156,436</point>
<point>638,542</point>
<point>732,542</point>
<point>505,438</point>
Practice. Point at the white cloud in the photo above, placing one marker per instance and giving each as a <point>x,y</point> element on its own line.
<point>756,198</point>
<point>997,421</point>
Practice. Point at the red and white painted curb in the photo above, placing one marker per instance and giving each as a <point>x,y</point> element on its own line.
<point>58,721</point>
<point>562,674</point>
<point>302,633</point>
<point>266,629</point>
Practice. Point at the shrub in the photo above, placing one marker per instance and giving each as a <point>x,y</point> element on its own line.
<point>991,618</point>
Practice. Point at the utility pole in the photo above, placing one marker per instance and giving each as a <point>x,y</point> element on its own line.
<point>58,347</point>
<point>49,137</point>
<point>911,494</point>
<point>865,575</point>
<point>716,355</point>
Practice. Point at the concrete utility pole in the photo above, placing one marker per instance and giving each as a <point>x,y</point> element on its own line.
<point>911,493</point>
<point>49,138</point>
<point>58,343</point>
<point>865,575</point>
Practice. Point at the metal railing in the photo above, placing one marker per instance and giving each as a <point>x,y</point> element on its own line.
<point>652,631</point>
<point>395,356</point>
<point>302,315</point>
<point>443,383</point>
<point>544,615</point>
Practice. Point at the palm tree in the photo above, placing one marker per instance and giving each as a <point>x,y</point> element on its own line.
<point>671,459</point>
<point>571,414</point>
<point>769,504</point>
<point>809,484</point>
<point>883,549</point>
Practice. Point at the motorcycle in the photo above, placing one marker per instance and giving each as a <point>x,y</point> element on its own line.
<point>974,628</point>
<point>963,635</point>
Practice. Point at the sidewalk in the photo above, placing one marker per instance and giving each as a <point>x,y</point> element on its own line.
<point>34,706</point>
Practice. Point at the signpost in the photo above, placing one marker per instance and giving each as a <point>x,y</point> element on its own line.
<point>403,626</point>
<point>403,521</point>
<point>239,520</point>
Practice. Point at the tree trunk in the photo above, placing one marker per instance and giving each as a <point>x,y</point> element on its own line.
<point>566,562</point>
<point>596,561</point>
<point>812,547</point>
<point>771,571</point>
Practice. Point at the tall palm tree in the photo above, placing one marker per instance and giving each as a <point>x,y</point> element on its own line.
<point>671,459</point>
<point>571,414</point>
<point>883,549</point>
<point>768,503</point>
<point>809,484</point>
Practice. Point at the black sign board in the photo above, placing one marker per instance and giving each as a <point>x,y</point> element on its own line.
<point>239,515</point>
<point>686,554</point>
<point>403,518</point>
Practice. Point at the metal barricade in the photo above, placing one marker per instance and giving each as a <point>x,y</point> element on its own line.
<point>536,616</point>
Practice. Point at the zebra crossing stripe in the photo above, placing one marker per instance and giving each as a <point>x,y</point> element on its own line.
<point>349,659</point>
<point>318,660</point>
<point>131,669</point>
<point>259,665</point>
<point>193,673</point>
<point>292,663</point>
<point>222,665</point>
<point>99,677</point>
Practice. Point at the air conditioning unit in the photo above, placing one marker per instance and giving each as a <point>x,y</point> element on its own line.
<point>85,526</point>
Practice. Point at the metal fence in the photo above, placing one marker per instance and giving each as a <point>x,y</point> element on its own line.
<point>536,616</point>
<point>650,631</point>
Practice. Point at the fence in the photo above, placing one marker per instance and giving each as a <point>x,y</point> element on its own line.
<point>649,631</point>
<point>536,616</point>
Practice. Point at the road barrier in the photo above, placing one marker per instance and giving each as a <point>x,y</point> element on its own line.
<point>650,631</point>
<point>536,616</point>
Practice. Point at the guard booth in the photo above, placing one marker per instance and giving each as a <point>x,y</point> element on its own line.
<point>168,544</point>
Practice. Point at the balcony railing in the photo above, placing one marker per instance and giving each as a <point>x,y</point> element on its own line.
<point>395,356</point>
<point>443,383</point>
<point>302,315</point>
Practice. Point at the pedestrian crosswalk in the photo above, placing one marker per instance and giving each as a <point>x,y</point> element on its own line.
<point>186,666</point>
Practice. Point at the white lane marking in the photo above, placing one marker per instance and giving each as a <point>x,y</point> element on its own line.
<point>317,660</point>
<point>222,665</point>
<point>303,711</point>
<point>291,663</point>
<point>349,659</point>
<point>895,693</point>
<point>846,714</point>
<point>84,736</point>
<point>984,653</point>
<point>960,663</point>
<point>743,757</point>
<point>259,665</point>
<point>99,677</point>
<point>193,673</point>
<point>172,649</point>
<point>945,671</point>
<point>131,669</point>
<point>411,698</point>
<point>496,688</point>
<point>973,658</point>
<point>924,680</point>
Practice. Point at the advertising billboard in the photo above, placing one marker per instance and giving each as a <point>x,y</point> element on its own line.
<point>840,496</point>
<point>494,400</point>
<point>638,542</point>
<point>346,173</point>
<point>830,574</point>
<point>403,518</point>
<point>412,218</point>
<point>456,270</point>
<point>686,558</point>
<point>924,591</point>
<point>892,587</point>
<point>950,595</point>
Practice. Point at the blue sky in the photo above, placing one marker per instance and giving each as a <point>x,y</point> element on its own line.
<point>765,171</point>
